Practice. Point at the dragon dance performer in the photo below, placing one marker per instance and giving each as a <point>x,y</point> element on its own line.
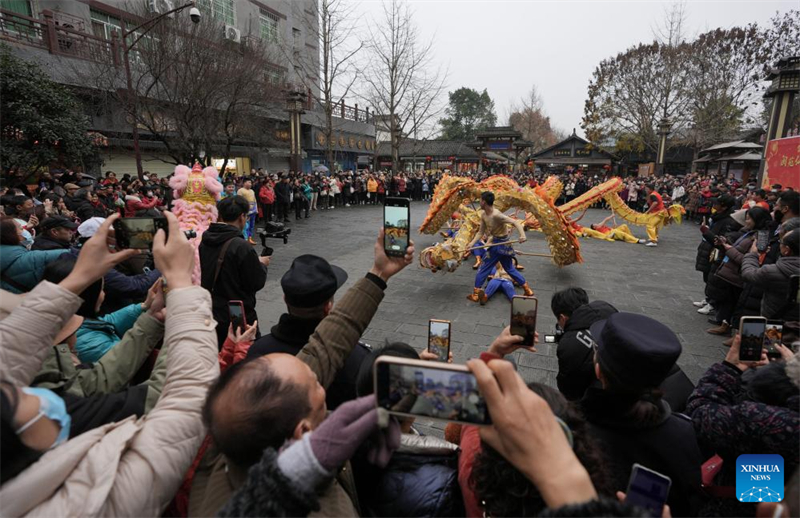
<point>616,233</point>
<point>655,205</point>
<point>495,224</point>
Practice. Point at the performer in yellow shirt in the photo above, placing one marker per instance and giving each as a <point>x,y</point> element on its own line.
<point>248,194</point>
<point>618,233</point>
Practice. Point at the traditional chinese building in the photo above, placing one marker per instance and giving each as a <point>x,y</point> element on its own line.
<point>572,154</point>
<point>739,159</point>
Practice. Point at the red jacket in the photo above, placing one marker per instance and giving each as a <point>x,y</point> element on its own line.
<point>134,204</point>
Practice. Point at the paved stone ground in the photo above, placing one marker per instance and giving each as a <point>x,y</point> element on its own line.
<point>660,282</point>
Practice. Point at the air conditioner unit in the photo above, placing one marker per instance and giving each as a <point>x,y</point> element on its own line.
<point>160,7</point>
<point>233,34</point>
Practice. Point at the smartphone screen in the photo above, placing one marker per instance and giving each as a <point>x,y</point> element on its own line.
<point>523,318</point>
<point>236,312</point>
<point>762,240</point>
<point>773,334</point>
<point>439,339</point>
<point>752,330</point>
<point>648,489</point>
<point>429,389</point>
<point>396,226</point>
<point>137,233</point>
<point>549,339</point>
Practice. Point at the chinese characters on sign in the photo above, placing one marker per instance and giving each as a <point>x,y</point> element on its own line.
<point>783,163</point>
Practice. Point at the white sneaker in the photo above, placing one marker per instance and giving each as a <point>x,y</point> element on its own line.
<point>642,241</point>
<point>705,310</point>
<point>700,304</point>
<point>651,243</point>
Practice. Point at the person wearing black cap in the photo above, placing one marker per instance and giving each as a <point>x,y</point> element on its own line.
<point>308,290</point>
<point>633,355</point>
<point>230,268</point>
<point>55,233</point>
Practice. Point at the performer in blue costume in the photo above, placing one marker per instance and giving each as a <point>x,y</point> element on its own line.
<point>495,224</point>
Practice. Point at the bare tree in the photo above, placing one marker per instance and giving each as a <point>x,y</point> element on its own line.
<point>632,92</point>
<point>528,117</point>
<point>196,93</point>
<point>402,81</point>
<point>335,73</point>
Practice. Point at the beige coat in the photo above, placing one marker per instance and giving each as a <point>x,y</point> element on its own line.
<point>129,468</point>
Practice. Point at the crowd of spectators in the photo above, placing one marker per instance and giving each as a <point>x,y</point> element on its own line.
<point>127,390</point>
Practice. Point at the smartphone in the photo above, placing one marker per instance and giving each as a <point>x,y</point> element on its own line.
<point>648,489</point>
<point>752,330</point>
<point>416,388</point>
<point>773,334</point>
<point>137,233</point>
<point>549,339</point>
<point>396,226</point>
<point>523,318</point>
<point>794,288</point>
<point>762,240</point>
<point>439,339</point>
<point>237,316</point>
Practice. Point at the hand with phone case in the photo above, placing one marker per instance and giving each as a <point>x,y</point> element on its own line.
<point>506,343</point>
<point>733,356</point>
<point>384,266</point>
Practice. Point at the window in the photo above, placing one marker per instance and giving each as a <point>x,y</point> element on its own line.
<point>222,10</point>
<point>269,26</point>
<point>103,24</point>
<point>276,75</point>
<point>22,7</point>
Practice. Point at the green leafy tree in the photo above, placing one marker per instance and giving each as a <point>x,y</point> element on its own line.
<point>469,111</point>
<point>42,121</point>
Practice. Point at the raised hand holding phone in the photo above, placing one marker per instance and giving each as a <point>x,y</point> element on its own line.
<point>506,343</point>
<point>384,266</point>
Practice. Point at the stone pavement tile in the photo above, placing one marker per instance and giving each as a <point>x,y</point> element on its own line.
<point>538,361</point>
<point>660,282</point>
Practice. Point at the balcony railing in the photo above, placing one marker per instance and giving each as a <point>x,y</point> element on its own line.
<point>58,39</point>
<point>54,35</point>
<point>351,113</point>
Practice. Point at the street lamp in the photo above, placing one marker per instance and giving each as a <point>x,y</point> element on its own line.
<point>663,130</point>
<point>194,14</point>
<point>295,104</point>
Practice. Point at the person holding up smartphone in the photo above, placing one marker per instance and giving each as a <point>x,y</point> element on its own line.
<point>495,224</point>
<point>269,418</point>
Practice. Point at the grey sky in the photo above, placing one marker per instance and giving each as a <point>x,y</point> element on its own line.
<point>506,46</point>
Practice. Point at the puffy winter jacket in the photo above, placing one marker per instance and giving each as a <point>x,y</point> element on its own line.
<point>728,423</point>
<point>574,351</point>
<point>774,279</point>
<point>721,224</point>
<point>729,271</point>
<point>420,480</point>
<point>131,467</point>
<point>22,269</point>
<point>97,336</point>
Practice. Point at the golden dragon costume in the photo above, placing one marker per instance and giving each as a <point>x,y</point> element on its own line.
<point>454,193</point>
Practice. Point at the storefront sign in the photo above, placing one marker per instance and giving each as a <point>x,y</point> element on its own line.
<point>562,152</point>
<point>783,163</point>
<point>583,152</point>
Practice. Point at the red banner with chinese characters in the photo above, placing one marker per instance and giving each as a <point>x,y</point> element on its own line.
<point>783,163</point>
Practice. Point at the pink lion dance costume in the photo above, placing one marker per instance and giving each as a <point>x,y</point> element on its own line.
<point>196,193</point>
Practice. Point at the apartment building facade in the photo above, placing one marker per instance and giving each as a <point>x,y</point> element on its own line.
<point>63,35</point>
